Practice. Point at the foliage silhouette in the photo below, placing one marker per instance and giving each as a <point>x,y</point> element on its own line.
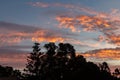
<point>51,47</point>
<point>61,63</point>
<point>33,66</point>
<point>104,67</point>
<point>64,49</point>
<point>7,72</point>
<point>116,72</point>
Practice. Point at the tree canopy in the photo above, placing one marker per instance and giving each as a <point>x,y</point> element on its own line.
<point>60,62</point>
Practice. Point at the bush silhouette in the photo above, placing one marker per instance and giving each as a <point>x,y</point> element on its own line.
<point>7,73</point>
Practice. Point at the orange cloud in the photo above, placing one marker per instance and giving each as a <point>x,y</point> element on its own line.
<point>49,39</point>
<point>114,39</point>
<point>40,36</point>
<point>113,54</point>
<point>64,20</point>
<point>11,34</point>
<point>107,23</point>
<point>88,23</point>
<point>92,23</point>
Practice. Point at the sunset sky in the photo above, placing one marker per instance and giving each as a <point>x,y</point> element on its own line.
<point>86,24</point>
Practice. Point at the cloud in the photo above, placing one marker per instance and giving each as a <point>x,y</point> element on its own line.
<point>114,38</point>
<point>110,54</point>
<point>78,8</point>
<point>107,25</point>
<point>16,60</point>
<point>14,55</point>
<point>88,23</point>
<point>11,33</point>
<point>83,43</point>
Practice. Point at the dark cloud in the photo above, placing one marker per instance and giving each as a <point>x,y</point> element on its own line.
<point>11,49</point>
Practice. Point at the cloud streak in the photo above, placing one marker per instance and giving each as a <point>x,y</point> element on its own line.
<point>111,54</point>
<point>67,6</point>
<point>15,60</point>
<point>11,34</point>
<point>14,33</point>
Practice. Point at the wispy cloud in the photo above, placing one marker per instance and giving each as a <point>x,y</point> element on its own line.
<point>107,23</point>
<point>110,54</point>
<point>15,60</point>
<point>11,34</point>
<point>92,23</point>
<point>14,33</point>
<point>78,8</point>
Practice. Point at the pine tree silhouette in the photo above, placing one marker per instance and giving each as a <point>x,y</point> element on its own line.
<point>33,66</point>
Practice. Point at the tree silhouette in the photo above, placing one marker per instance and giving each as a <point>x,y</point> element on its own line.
<point>65,49</point>
<point>33,65</point>
<point>104,67</point>
<point>8,73</point>
<point>51,47</point>
<point>56,65</point>
<point>116,72</point>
